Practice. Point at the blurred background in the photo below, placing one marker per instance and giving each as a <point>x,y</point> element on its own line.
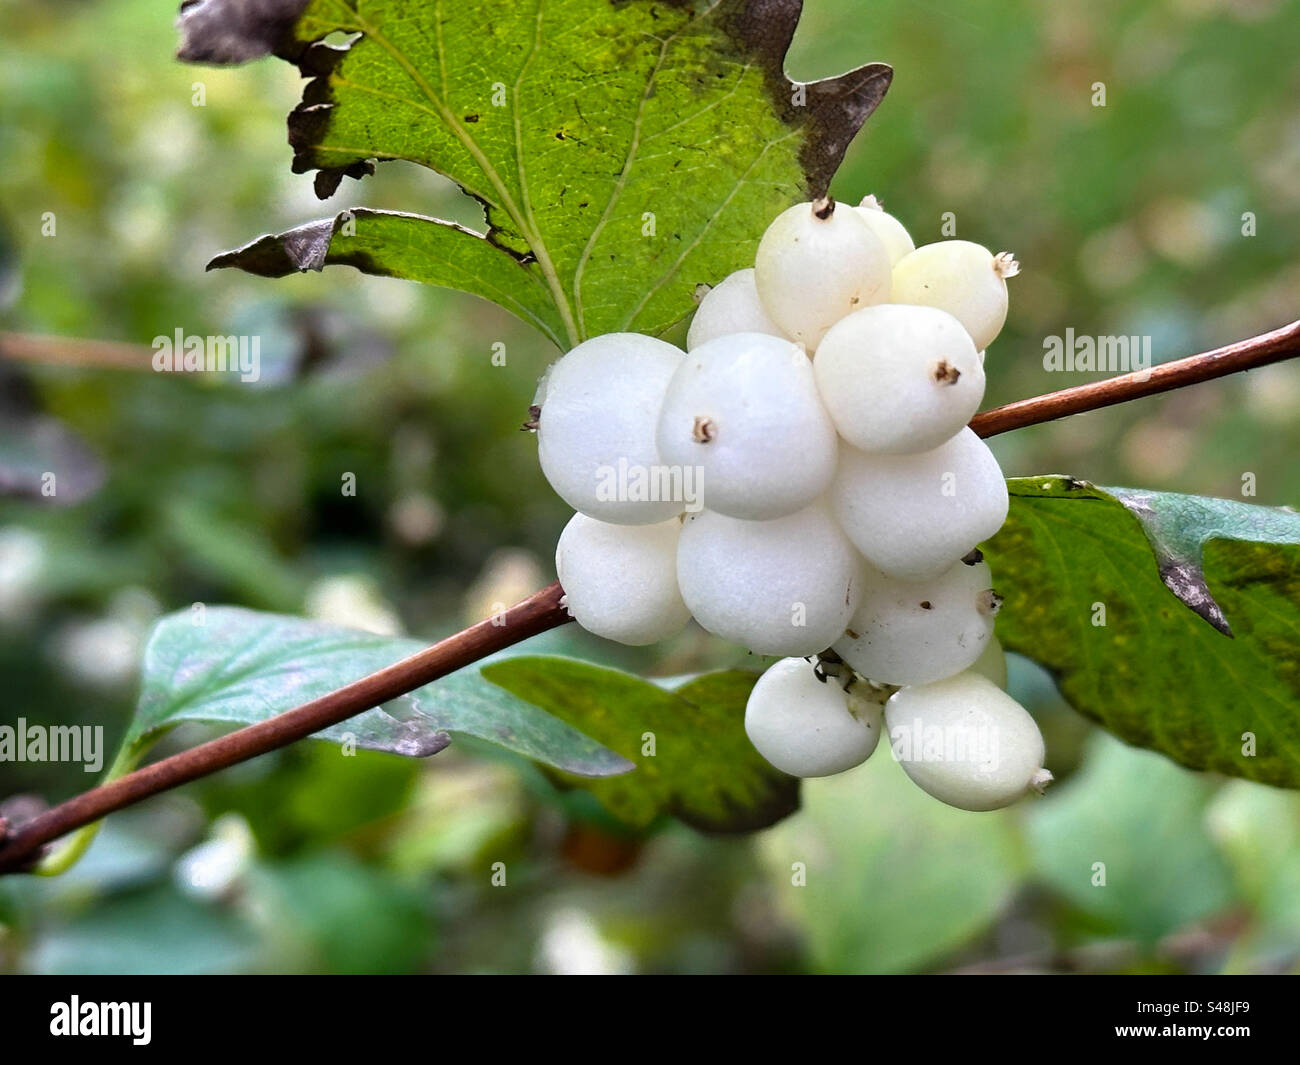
<point>1127,219</point>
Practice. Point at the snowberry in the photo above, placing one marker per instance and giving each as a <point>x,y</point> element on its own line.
<point>897,241</point>
<point>912,515</point>
<point>730,306</point>
<point>620,581</point>
<point>744,411</point>
<point>786,586</point>
<point>809,727</point>
<point>966,742</point>
<point>964,279</point>
<point>815,264</point>
<point>992,663</point>
<point>596,431</point>
<point>897,378</point>
<point>913,632</point>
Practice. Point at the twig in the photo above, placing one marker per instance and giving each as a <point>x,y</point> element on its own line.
<point>535,614</point>
<point>74,351</point>
<point>1280,344</point>
<point>22,846</point>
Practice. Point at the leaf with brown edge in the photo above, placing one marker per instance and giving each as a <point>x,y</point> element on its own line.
<point>223,32</point>
<point>1171,620</point>
<point>407,246</point>
<point>624,153</point>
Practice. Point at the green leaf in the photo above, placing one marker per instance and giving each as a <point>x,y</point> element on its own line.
<point>1178,527</point>
<point>894,880</point>
<point>407,246</point>
<point>703,771</point>
<point>233,666</point>
<point>1156,673</point>
<point>1144,820</point>
<point>624,153</point>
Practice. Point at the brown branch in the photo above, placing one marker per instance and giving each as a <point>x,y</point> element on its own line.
<point>22,846</point>
<point>539,612</point>
<point>74,351</point>
<point>1283,343</point>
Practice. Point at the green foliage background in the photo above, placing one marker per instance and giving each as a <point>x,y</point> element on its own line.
<point>1128,221</point>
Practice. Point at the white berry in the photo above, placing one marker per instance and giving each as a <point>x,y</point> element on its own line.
<point>966,742</point>
<point>896,239</point>
<point>809,727</point>
<point>743,410</point>
<point>913,632</point>
<point>620,581</point>
<point>596,433</point>
<point>786,586</point>
<point>815,264</point>
<point>964,279</point>
<point>898,378</point>
<point>730,306</point>
<point>912,515</point>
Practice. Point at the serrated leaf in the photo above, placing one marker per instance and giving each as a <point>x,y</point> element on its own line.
<point>624,153</point>
<point>239,666</point>
<point>1155,673</point>
<point>703,771</point>
<point>405,246</point>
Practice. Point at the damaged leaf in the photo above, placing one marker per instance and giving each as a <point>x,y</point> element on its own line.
<point>1179,526</point>
<point>624,153</point>
<point>406,246</point>
<point>1169,619</point>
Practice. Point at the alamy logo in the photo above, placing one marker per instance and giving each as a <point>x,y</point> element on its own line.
<point>629,483</point>
<point>212,354</point>
<point>53,743</point>
<point>1089,354</point>
<point>103,1018</point>
<point>974,743</point>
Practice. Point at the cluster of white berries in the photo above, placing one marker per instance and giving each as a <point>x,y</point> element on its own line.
<point>803,482</point>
